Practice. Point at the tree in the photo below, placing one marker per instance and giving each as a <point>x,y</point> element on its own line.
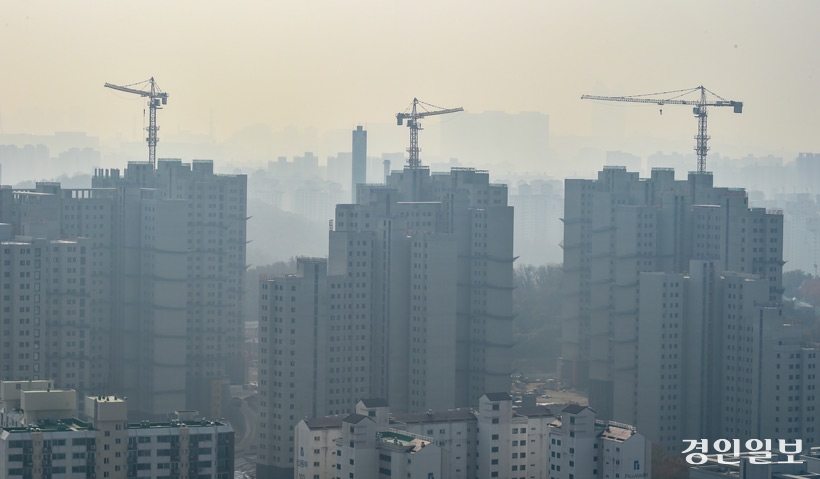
<point>810,291</point>
<point>537,325</point>
<point>792,281</point>
<point>667,466</point>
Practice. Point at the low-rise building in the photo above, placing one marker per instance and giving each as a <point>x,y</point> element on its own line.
<point>495,440</point>
<point>455,431</point>
<point>51,441</point>
<point>510,443</point>
<point>583,447</point>
<point>316,449</point>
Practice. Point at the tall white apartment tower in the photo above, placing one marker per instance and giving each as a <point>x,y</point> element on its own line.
<point>414,305</point>
<point>314,356</point>
<point>161,301</point>
<point>455,232</point>
<point>620,226</point>
<point>47,326</point>
<point>717,360</point>
<point>683,332</point>
<point>179,267</point>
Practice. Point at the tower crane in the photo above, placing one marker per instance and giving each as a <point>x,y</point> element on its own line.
<point>699,110</point>
<point>412,115</point>
<point>156,98</point>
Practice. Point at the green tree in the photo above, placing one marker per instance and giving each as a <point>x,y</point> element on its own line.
<point>537,325</point>
<point>792,281</point>
<point>667,466</point>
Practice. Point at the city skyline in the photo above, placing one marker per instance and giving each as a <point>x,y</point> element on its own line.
<point>228,69</point>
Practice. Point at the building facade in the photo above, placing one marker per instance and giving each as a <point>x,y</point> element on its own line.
<point>674,292</point>
<point>512,442</point>
<point>359,160</point>
<point>620,226</point>
<point>164,264</point>
<point>50,326</point>
<point>582,446</point>
<point>413,304</point>
<point>53,442</point>
<point>495,440</point>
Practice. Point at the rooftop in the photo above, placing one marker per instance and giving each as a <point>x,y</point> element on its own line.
<point>614,431</point>
<point>328,422</point>
<point>160,425</point>
<point>72,424</point>
<point>395,438</point>
<point>498,396</point>
<point>574,409</point>
<point>534,411</point>
<point>376,402</point>
<point>435,416</point>
<point>108,398</point>
<point>354,418</point>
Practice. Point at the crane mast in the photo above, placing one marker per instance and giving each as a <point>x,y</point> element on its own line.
<point>156,98</point>
<point>699,110</point>
<point>412,116</point>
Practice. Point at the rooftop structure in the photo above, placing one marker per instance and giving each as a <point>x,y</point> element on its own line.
<point>106,445</point>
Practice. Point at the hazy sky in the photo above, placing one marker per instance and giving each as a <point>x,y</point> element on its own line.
<point>333,64</point>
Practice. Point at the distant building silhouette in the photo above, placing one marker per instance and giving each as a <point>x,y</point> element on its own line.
<point>359,163</point>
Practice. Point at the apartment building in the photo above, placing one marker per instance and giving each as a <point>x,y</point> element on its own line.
<point>501,440</point>
<point>51,441</point>
<point>49,324</point>
<point>620,226</point>
<point>413,304</point>
<point>165,262</point>
<point>582,446</point>
<point>512,442</point>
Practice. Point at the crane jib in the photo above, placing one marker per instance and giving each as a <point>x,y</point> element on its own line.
<point>156,98</point>
<point>699,111</point>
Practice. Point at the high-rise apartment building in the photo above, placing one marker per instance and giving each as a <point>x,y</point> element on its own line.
<point>49,327</point>
<point>414,304</point>
<point>673,311</point>
<point>619,226</point>
<point>182,256</point>
<point>359,160</point>
<point>165,260</point>
<point>474,214</point>
<point>716,361</point>
<point>314,356</point>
